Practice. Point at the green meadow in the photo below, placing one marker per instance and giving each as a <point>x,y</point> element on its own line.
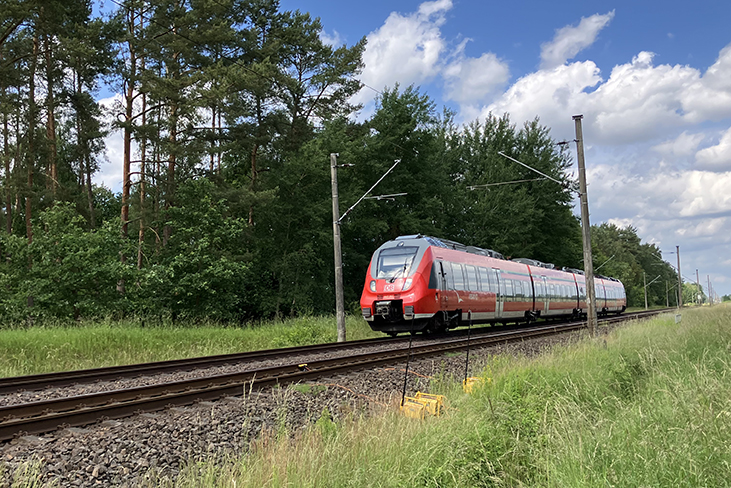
<point>64,347</point>
<point>647,405</point>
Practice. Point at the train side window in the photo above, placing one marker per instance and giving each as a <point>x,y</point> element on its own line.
<point>552,291</point>
<point>495,281</point>
<point>471,273</point>
<point>508,290</point>
<point>434,280</point>
<point>519,293</point>
<point>459,283</point>
<point>484,279</point>
<point>448,274</point>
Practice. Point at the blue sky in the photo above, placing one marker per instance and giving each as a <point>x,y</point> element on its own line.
<point>653,80</point>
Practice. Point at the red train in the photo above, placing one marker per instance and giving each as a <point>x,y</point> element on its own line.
<point>419,283</point>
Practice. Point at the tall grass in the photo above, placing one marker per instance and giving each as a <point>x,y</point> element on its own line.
<point>647,405</point>
<point>89,345</point>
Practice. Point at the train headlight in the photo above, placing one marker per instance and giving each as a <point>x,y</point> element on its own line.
<point>407,284</point>
<point>373,286</point>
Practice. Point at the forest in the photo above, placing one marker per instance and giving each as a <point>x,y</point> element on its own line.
<point>229,111</point>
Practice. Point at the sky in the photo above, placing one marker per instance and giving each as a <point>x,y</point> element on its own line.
<point>652,80</point>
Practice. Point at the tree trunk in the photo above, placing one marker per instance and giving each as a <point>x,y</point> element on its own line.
<point>129,107</point>
<point>172,157</point>
<point>31,139</point>
<point>158,172</point>
<point>254,152</point>
<point>129,97</point>
<point>220,135</point>
<point>143,168</point>
<point>6,160</point>
<point>85,169</point>
<point>213,135</point>
<point>90,192</point>
<point>51,118</point>
<point>169,198</point>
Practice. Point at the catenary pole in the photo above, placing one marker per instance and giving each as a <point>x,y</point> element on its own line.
<point>339,298</point>
<point>586,230</point>
<point>710,295</point>
<point>644,277</point>
<point>697,287</point>
<point>337,219</point>
<point>680,279</point>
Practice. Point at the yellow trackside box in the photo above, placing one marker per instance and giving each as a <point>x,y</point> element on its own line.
<point>435,404</point>
<point>471,384</point>
<point>413,408</point>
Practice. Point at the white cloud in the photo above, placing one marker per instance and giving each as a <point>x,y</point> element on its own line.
<point>616,192</point>
<point>705,193</point>
<point>709,98</point>
<point>571,40</point>
<point>682,146</point>
<point>334,40</point>
<point>638,103</point>
<point>553,95</point>
<point>690,209</point>
<point>435,7</point>
<point>406,49</point>
<point>472,80</point>
<point>718,157</point>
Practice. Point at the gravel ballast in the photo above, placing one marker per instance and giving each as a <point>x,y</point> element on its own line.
<point>150,448</point>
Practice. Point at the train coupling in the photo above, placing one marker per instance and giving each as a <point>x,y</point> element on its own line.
<point>391,310</point>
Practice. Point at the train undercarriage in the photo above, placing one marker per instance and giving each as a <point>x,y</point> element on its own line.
<point>390,318</point>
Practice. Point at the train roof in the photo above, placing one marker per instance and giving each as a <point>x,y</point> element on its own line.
<point>457,246</point>
<point>535,262</point>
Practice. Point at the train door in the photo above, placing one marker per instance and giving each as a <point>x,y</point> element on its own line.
<point>495,278</point>
<point>545,293</point>
<point>444,295</point>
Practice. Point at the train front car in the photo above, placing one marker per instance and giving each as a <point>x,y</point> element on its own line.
<point>396,294</point>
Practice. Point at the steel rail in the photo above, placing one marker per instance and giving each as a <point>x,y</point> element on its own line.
<point>44,416</point>
<point>110,373</point>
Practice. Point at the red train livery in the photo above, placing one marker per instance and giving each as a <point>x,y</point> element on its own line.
<point>418,283</point>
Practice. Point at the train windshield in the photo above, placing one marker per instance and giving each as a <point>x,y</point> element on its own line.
<point>395,262</point>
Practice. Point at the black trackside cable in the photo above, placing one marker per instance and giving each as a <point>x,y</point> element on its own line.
<point>469,331</point>
<point>408,359</point>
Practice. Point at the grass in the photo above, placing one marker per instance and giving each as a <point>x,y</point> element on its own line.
<point>647,405</point>
<point>44,349</point>
<point>308,389</point>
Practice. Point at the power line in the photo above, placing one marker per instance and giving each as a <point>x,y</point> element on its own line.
<point>474,187</point>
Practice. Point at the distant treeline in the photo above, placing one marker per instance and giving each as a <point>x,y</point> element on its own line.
<point>229,111</point>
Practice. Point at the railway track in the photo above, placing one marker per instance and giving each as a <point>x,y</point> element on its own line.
<point>44,416</point>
